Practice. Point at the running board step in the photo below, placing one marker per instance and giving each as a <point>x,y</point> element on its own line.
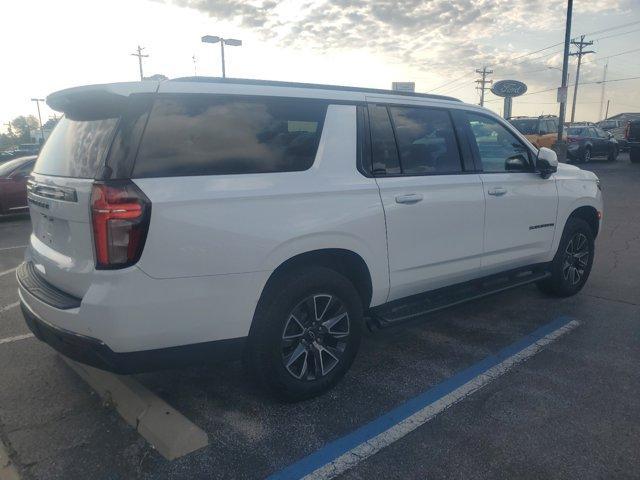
<point>405,309</point>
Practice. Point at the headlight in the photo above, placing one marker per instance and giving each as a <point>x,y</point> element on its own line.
<point>598,184</point>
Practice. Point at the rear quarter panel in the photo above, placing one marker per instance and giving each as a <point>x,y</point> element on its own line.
<point>230,224</point>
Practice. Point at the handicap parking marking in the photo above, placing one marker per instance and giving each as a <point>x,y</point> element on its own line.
<point>16,338</point>
<point>346,452</point>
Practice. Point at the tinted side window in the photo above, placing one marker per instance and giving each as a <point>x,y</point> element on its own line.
<point>499,150</point>
<point>217,135</point>
<point>426,141</point>
<point>383,144</point>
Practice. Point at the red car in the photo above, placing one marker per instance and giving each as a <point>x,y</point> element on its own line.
<point>13,184</point>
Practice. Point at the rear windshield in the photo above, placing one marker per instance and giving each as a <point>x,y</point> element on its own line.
<point>218,135</point>
<point>75,148</point>
<point>526,127</point>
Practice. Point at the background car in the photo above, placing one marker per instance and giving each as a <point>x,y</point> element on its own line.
<point>22,150</point>
<point>541,131</point>
<point>586,142</point>
<point>617,129</point>
<point>632,135</point>
<point>13,184</point>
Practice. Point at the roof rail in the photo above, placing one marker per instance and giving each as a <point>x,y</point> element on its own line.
<point>275,83</point>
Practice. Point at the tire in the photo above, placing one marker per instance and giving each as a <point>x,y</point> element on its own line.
<point>293,350</point>
<point>564,282</point>
<point>634,154</point>
<point>586,156</point>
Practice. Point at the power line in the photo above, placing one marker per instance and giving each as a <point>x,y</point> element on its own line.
<point>616,55</point>
<point>616,35</point>
<point>448,83</point>
<point>613,28</point>
<point>584,83</point>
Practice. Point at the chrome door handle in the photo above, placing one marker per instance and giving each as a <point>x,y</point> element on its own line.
<point>497,191</point>
<point>409,199</point>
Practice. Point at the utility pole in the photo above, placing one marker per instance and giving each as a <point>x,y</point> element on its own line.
<point>607,112</point>
<point>580,53</point>
<point>604,82</point>
<point>38,100</point>
<point>140,56</point>
<point>561,146</point>
<point>482,82</point>
<point>195,68</point>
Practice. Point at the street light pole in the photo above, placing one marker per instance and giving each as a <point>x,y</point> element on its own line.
<point>223,41</point>
<point>38,100</point>
<point>224,75</point>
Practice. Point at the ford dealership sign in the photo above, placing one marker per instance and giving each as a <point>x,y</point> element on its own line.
<point>508,88</point>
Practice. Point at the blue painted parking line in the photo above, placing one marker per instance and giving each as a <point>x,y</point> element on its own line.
<point>346,452</point>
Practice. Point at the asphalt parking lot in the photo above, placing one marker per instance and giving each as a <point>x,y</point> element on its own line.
<point>572,410</point>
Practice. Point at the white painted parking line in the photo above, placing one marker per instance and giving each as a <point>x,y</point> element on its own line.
<point>348,451</point>
<point>16,338</point>
<point>8,271</point>
<point>12,248</point>
<point>170,432</point>
<point>9,307</point>
<point>7,469</point>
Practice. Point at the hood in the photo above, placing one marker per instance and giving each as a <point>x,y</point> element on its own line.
<point>571,171</point>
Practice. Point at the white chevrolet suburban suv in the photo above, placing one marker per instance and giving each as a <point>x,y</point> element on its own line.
<point>196,220</point>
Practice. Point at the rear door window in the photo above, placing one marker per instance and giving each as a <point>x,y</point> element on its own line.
<point>383,144</point>
<point>76,148</point>
<point>218,135</point>
<point>426,141</point>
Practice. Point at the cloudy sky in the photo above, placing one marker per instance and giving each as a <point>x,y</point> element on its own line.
<point>49,45</point>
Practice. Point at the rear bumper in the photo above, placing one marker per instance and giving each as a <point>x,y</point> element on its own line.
<point>94,352</point>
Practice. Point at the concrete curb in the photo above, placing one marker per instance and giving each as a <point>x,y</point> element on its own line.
<point>7,469</point>
<point>170,432</point>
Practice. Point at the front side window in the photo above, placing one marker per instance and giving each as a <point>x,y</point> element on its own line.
<point>426,141</point>
<point>499,150</point>
<point>218,135</point>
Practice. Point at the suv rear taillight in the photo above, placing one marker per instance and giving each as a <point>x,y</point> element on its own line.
<point>120,215</point>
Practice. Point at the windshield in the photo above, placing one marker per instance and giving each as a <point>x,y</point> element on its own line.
<point>75,148</point>
<point>526,126</point>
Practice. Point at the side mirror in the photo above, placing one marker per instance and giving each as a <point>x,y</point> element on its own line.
<point>516,164</point>
<point>547,162</point>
